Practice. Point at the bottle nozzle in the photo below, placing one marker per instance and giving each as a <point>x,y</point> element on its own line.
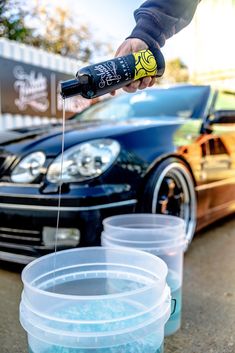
<point>70,88</point>
<point>74,87</point>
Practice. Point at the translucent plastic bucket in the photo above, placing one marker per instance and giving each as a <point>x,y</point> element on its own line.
<point>163,236</point>
<point>164,225</point>
<point>98,300</point>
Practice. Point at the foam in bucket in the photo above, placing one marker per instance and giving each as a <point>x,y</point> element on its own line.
<point>106,310</point>
<point>130,348</point>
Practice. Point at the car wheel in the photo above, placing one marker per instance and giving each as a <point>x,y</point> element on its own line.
<point>170,190</point>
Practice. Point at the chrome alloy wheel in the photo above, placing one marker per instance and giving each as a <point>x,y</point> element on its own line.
<point>174,194</point>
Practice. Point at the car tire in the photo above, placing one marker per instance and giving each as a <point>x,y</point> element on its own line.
<point>170,190</point>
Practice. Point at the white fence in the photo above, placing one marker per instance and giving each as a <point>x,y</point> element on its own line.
<point>9,121</point>
<point>33,56</point>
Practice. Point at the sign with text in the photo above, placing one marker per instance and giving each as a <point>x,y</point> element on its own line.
<point>32,90</point>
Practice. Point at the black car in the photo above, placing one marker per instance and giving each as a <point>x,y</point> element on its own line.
<point>162,150</point>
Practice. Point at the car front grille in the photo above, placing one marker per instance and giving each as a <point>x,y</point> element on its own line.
<point>20,236</point>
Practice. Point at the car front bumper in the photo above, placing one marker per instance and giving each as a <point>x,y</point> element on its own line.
<point>26,209</point>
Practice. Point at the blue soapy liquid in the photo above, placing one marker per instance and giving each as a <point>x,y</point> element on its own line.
<point>107,309</point>
<point>174,322</point>
<point>120,349</point>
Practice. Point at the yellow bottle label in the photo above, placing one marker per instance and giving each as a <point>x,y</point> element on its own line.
<point>145,64</point>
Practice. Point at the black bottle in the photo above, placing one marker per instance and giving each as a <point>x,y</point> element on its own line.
<point>105,77</point>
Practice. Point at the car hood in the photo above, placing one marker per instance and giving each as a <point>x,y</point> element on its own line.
<point>48,138</point>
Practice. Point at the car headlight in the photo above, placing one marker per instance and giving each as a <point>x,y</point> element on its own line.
<point>84,161</point>
<point>28,168</point>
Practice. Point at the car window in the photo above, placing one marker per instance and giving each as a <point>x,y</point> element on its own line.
<point>217,147</point>
<point>182,102</point>
<point>104,111</point>
<point>225,101</point>
<point>204,148</point>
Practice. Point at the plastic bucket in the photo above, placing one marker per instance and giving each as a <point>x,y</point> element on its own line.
<point>163,236</point>
<point>166,225</point>
<point>97,299</point>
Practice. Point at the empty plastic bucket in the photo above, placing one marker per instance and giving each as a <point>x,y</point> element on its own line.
<point>163,236</point>
<point>95,300</point>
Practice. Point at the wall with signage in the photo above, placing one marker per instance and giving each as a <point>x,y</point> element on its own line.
<point>29,82</point>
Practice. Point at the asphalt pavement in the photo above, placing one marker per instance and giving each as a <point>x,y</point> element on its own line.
<point>208,297</point>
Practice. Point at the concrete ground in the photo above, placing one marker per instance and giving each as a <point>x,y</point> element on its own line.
<point>208,305</point>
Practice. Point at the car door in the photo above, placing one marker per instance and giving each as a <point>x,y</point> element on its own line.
<point>218,161</point>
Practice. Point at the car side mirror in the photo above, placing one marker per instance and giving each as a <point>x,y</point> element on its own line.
<point>222,117</point>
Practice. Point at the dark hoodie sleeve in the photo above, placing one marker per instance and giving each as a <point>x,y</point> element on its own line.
<point>158,20</point>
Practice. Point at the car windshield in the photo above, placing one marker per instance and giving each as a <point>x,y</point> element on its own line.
<point>183,102</point>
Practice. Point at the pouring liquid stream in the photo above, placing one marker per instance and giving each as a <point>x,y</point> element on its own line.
<point>88,84</point>
<point>60,185</point>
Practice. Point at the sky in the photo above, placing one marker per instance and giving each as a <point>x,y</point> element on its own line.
<point>197,45</point>
<point>113,17</point>
<point>113,20</point>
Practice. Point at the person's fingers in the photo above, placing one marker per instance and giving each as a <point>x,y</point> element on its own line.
<point>145,82</point>
<point>132,87</point>
<point>124,49</point>
<point>153,81</point>
<point>131,45</point>
<point>135,84</point>
<point>119,51</point>
<point>129,89</point>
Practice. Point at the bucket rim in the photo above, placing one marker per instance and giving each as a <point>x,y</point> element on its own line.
<point>140,290</point>
<point>136,216</point>
<point>163,299</point>
<point>110,237</point>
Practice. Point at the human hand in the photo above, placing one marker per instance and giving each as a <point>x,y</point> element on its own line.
<point>132,45</point>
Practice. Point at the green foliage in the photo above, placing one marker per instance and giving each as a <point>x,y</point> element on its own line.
<point>12,23</point>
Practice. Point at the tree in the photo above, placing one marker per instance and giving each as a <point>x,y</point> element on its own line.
<point>54,29</point>
<point>176,72</point>
<point>12,21</point>
<point>58,33</point>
